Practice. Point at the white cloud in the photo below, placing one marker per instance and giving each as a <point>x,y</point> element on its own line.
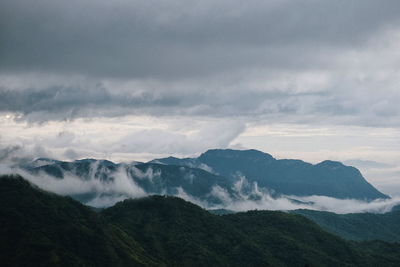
<point>258,199</point>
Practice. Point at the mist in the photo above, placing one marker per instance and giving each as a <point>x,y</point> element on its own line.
<point>261,199</point>
<point>242,196</point>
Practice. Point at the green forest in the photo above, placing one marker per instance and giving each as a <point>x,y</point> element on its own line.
<point>39,228</point>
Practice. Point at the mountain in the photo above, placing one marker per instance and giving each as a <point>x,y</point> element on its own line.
<point>286,176</point>
<point>181,233</point>
<point>150,178</point>
<point>217,178</point>
<point>169,179</point>
<point>85,168</point>
<point>358,226</point>
<point>42,229</point>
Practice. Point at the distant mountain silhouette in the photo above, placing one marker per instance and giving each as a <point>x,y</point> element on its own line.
<point>286,176</point>
<point>214,177</point>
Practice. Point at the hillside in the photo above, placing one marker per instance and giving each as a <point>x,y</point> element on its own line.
<point>184,234</point>
<point>358,226</point>
<point>38,228</point>
<point>43,229</point>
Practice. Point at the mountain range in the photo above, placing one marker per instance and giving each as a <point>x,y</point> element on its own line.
<point>286,176</point>
<point>215,177</point>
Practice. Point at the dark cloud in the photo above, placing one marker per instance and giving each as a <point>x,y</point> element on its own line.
<point>366,107</point>
<point>179,39</point>
<point>288,61</point>
<point>69,103</point>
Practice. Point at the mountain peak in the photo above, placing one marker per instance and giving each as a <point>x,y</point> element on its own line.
<point>331,164</point>
<point>232,153</point>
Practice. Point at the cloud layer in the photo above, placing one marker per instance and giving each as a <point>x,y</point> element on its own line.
<point>177,38</point>
<point>280,60</point>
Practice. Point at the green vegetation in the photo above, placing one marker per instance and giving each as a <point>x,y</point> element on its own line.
<point>42,229</point>
<point>358,226</point>
<point>38,228</point>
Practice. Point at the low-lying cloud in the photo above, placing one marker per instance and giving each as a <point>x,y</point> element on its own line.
<point>100,193</point>
<point>243,195</point>
<point>261,199</point>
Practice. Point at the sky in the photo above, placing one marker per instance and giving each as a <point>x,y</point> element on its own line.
<point>130,80</point>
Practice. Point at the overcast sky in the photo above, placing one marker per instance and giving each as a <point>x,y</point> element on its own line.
<point>133,80</point>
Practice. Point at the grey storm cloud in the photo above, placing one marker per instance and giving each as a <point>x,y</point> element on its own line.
<point>179,39</point>
<point>73,102</point>
<point>200,58</point>
<point>367,107</point>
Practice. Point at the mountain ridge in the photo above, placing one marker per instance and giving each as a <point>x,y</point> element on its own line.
<point>357,226</point>
<point>44,229</point>
<point>275,174</point>
<point>216,177</point>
